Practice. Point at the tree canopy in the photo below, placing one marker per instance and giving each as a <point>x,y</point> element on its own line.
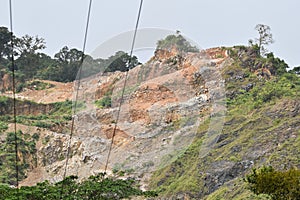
<point>5,38</point>
<point>177,41</point>
<point>265,38</point>
<point>31,63</point>
<point>95,187</point>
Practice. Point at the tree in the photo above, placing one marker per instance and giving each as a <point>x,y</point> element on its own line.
<point>29,44</point>
<point>5,38</point>
<point>177,41</point>
<point>296,70</point>
<point>276,65</point>
<point>119,62</point>
<point>265,38</point>
<point>68,63</point>
<point>68,56</point>
<point>30,63</point>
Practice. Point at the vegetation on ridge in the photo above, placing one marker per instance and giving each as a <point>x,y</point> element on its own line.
<point>30,63</point>
<point>263,102</point>
<point>94,188</point>
<point>261,128</point>
<point>177,41</point>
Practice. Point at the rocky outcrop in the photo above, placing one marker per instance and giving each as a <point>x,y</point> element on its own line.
<point>163,104</point>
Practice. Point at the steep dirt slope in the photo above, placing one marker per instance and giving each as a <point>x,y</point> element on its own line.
<point>165,101</point>
<point>261,128</point>
<point>57,93</point>
<point>190,124</point>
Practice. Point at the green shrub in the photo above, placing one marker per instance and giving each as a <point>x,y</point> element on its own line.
<point>3,101</point>
<point>26,146</point>
<point>177,41</point>
<point>3,126</point>
<point>104,102</point>
<point>280,185</point>
<point>94,188</point>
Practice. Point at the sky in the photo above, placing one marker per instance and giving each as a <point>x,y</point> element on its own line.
<point>209,23</point>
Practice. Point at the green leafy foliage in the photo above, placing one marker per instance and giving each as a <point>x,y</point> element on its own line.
<point>287,85</point>
<point>26,149</point>
<point>5,47</point>
<point>104,102</point>
<point>3,126</point>
<point>280,185</point>
<point>33,85</point>
<point>296,70</point>
<point>119,62</point>
<point>94,188</point>
<point>3,101</point>
<point>276,65</point>
<point>60,114</point>
<point>265,38</point>
<point>177,41</point>
<point>250,124</point>
<point>31,64</point>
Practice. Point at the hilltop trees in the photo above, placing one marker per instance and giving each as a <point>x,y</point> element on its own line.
<point>119,62</point>
<point>265,38</point>
<point>29,44</point>
<point>69,61</point>
<point>31,63</point>
<point>177,41</point>
<point>29,60</point>
<point>296,70</point>
<point>4,43</point>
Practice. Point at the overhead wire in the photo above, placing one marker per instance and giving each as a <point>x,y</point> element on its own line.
<point>124,85</point>
<point>76,93</point>
<point>14,96</point>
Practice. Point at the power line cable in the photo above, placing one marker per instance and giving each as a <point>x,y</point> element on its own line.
<point>124,86</point>
<point>76,94</point>
<point>14,96</point>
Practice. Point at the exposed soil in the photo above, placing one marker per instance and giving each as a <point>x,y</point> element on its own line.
<point>60,92</point>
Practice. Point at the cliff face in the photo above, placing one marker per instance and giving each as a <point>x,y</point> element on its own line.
<point>164,102</point>
<point>24,107</point>
<point>261,127</point>
<point>181,122</point>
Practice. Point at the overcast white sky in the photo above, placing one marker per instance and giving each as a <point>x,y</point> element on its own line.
<point>209,23</point>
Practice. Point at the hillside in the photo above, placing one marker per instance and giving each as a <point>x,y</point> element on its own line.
<point>261,128</point>
<point>192,123</point>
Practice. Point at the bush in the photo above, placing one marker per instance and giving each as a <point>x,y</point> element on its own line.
<point>105,102</point>
<point>3,126</point>
<point>177,41</point>
<point>3,101</point>
<point>280,185</point>
<point>95,187</point>
<point>33,85</point>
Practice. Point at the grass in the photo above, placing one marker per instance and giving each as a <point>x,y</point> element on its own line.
<point>183,169</point>
<point>33,85</point>
<point>3,126</point>
<point>26,154</point>
<point>247,130</point>
<point>60,113</point>
<point>256,125</point>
